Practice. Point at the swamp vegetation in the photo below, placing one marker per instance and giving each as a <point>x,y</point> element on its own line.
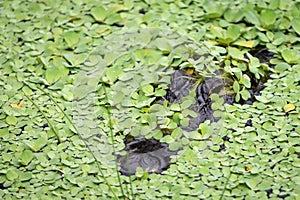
<point>125,99</point>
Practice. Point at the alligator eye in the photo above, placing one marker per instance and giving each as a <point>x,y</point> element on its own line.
<point>216,89</point>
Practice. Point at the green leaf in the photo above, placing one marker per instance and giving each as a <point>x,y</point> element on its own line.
<point>187,103</point>
<point>114,18</point>
<point>274,4</point>
<point>254,64</point>
<point>263,37</point>
<point>218,104</point>
<point>163,45</point>
<point>245,80</point>
<point>296,25</point>
<point>113,73</point>
<point>243,43</point>
<point>289,56</point>
<point>195,135</point>
<point>270,35</point>
<point>215,97</point>
<point>68,93</point>
<point>236,87</point>
<point>237,97</point>
<point>282,67</point>
<point>251,16</point>
<point>116,8</point>
<point>233,32</point>
<point>140,172</point>
<point>245,94</point>
<point>233,15</point>
<point>267,17</point>
<point>174,146</point>
<point>253,182</point>
<point>185,122</point>
<point>176,133</point>
<point>160,92</point>
<point>128,4</point>
<point>12,174</point>
<point>72,38</point>
<point>144,101</point>
<point>262,99</point>
<point>237,72</point>
<point>152,56</point>
<point>109,58</point>
<point>213,9</point>
<point>289,107</point>
<point>117,97</point>
<point>39,143</point>
<point>25,176</point>
<point>81,91</point>
<point>172,125</point>
<point>175,107</point>
<point>4,133</point>
<point>52,74</point>
<point>217,31</point>
<point>148,90</point>
<point>42,60</point>
<point>235,53</point>
<point>139,54</point>
<point>11,120</point>
<point>26,157</point>
<point>266,184</point>
<point>99,13</point>
<point>168,139</point>
<point>75,59</point>
<point>231,108</point>
<point>204,128</point>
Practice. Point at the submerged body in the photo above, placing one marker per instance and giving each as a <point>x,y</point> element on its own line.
<point>150,155</point>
